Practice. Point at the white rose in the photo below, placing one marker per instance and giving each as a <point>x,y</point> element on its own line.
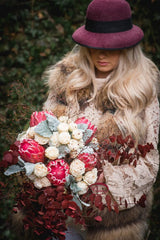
<point>94,140</point>
<point>63,127</point>
<point>77,134</point>
<point>21,136</point>
<point>40,139</point>
<point>73,145</point>
<point>52,152</point>
<point>72,126</point>
<point>81,143</point>
<point>91,176</point>
<point>79,178</point>
<point>64,137</point>
<point>77,168</point>
<point>41,182</point>
<point>40,170</point>
<point>54,139</point>
<point>63,119</point>
<point>30,132</point>
<point>73,154</point>
<point>83,186</point>
<point>32,177</point>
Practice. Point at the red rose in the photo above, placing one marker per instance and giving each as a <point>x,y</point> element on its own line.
<point>58,171</point>
<point>38,117</point>
<point>31,151</point>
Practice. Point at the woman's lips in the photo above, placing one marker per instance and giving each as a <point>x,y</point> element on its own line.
<point>103,63</point>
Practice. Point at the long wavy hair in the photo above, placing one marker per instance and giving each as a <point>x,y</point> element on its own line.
<point>130,89</point>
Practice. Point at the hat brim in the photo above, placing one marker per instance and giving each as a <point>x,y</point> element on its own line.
<point>110,41</point>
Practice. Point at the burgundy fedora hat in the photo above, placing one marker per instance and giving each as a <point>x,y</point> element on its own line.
<point>108,26</point>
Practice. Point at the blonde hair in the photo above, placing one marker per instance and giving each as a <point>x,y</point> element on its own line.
<point>131,87</point>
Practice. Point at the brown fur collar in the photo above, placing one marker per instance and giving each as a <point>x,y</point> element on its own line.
<point>60,74</point>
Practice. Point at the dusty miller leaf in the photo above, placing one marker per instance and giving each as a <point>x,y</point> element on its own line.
<point>52,122</point>
<point>63,150</point>
<point>87,134</point>
<point>43,129</point>
<point>13,169</point>
<point>29,168</point>
<point>82,126</point>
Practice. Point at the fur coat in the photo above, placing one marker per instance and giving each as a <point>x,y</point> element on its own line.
<point>129,224</point>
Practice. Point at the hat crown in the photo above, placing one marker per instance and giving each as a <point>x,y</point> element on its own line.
<point>108,10</point>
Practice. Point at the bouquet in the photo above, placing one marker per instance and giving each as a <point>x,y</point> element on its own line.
<point>59,160</point>
<point>62,162</point>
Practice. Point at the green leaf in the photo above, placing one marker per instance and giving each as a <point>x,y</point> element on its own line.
<point>87,134</point>
<point>82,126</point>
<point>13,169</point>
<point>63,150</point>
<point>52,122</point>
<point>43,129</point>
<point>29,168</point>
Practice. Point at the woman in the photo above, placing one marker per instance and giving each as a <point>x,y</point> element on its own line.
<point>109,80</point>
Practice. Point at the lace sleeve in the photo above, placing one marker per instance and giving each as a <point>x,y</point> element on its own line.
<point>128,183</point>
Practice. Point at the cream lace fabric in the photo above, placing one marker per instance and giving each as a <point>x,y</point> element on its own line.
<point>129,183</point>
<point>126,182</point>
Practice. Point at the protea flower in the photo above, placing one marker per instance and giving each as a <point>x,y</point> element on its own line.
<point>90,160</point>
<point>31,151</point>
<point>90,127</point>
<point>38,117</point>
<point>58,170</point>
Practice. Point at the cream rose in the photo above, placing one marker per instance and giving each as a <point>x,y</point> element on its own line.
<point>52,152</point>
<point>41,182</point>
<point>30,132</point>
<point>77,168</point>
<point>63,119</point>
<point>40,170</point>
<point>40,139</point>
<point>63,127</point>
<point>77,134</point>
<point>72,126</point>
<point>81,143</point>
<point>73,145</point>
<point>90,177</point>
<point>64,138</point>
<point>54,139</point>
<point>83,186</point>
<point>73,154</point>
<point>32,177</point>
<point>79,178</point>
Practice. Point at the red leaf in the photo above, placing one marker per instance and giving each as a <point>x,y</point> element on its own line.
<point>60,188</point>
<point>108,201</point>
<point>92,197</point>
<point>39,222</point>
<point>98,200</point>
<point>98,218</point>
<point>41,213</point>
<point>65,203</point>
<point>135,163</point>
<point>112,138</point>
<point>41,199</point>
<point>116,208</point>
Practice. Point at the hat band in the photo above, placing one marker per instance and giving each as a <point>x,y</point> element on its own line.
<point>109,26</point>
